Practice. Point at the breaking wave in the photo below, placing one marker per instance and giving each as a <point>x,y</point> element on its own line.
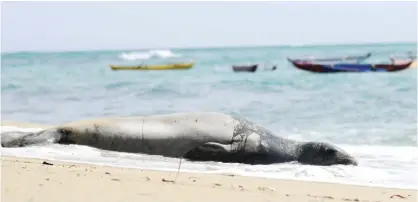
<point>161,54</point>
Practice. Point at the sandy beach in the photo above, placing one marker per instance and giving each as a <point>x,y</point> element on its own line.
<point>21,124</point>
<point>27,179</point>
<point>34,180</point>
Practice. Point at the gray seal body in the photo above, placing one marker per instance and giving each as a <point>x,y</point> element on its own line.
<point>198,136</point>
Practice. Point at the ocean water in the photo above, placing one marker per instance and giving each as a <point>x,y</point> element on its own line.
<point>371,115</point>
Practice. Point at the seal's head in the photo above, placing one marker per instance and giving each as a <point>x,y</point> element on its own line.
<point>319,153</point>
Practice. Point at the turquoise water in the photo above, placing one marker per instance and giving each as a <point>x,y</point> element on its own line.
<point>364,110</point>
<point>345,108</point>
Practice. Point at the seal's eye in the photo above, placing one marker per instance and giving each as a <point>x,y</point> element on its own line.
<point>64,132</point>
<point>330,151</point>
<point>65,136</point>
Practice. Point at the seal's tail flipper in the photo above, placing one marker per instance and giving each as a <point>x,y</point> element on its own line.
<point>14,138</point>
<point>21,139</point>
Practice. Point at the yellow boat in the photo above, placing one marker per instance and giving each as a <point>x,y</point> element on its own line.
<point>180,66</point>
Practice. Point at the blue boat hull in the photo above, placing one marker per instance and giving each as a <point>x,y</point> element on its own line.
<point>354,68</point>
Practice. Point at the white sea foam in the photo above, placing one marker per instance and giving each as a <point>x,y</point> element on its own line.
<point>378,165</point>
<point>163,54</point>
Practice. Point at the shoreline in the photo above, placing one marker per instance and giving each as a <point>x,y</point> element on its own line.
<point>30,125</point>
<point>46,182</point>
<point>208,172</point>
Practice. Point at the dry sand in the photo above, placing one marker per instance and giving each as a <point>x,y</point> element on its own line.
<point>33,180</point>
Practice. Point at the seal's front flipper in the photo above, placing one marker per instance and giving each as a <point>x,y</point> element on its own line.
<point>215,147</point>
<point>210,151</point>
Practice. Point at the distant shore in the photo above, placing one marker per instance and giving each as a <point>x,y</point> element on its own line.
<point>20,124</point>
<point>377,43</point>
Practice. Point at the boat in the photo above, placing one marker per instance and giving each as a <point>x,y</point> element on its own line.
<point>347,59</point>
<point>178,66</point>
<point>245,68</point>
<point>348,67</point>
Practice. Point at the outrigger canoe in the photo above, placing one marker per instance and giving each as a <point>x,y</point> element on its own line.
<point>348,67</point>
<point>350,59</point>
<point>180,66</point>
<point>245,68</point>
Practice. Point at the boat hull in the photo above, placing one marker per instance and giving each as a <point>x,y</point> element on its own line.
<point>184,66</point>
<point>342,67</point>
<point>401,61</point>
<point>247,68</point>
<point>346,59</point>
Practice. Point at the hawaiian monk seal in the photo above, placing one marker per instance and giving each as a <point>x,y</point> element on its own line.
<point>198,136</point>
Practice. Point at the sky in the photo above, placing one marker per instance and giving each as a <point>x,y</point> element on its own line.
<point>63,26</point>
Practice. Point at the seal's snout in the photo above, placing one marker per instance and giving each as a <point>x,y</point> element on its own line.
<point>317,153</point>
<point>347,160</point>
<point>343,158</point>
<point>354,163</point>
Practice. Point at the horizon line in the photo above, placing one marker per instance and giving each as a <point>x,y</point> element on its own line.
<point>216,47</point>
